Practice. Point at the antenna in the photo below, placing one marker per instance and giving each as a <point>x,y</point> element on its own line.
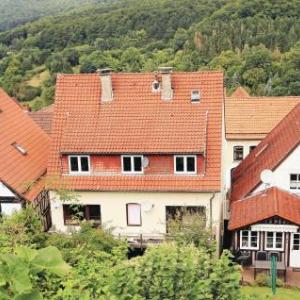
<point>267,176</point>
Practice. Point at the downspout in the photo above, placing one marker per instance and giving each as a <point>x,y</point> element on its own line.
<point>210,209</point>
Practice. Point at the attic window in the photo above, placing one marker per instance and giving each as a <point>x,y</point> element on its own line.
<point>155,86</point>
<point>195,96</point>
<point>18,147</point>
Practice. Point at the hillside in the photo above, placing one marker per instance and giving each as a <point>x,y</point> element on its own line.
<point>14,12</point>
<point>255,42</point>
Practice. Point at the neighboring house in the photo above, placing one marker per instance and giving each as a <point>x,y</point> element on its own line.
<point>136,147</point>
<point>266,216</point>
<point>23,159</point>
<point>247,122</point>
<point>43,118</point>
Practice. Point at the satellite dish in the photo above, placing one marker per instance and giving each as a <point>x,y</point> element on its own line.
<point>266,176</point>
<point>147,206</point>
<point>145,162</point>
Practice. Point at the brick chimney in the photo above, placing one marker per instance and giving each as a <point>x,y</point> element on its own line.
<point>166,83</point>
<point>106,85</point>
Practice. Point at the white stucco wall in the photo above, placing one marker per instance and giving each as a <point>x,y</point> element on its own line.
<point>113,209</point>
<point>228,162</point>
<point>281,175</point>
<point>5,192</point>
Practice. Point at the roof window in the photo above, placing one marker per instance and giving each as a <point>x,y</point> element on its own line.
<point>195,96</point>
<point>21,149</point>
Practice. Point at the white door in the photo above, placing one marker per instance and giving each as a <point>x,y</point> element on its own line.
<point>295,251</point>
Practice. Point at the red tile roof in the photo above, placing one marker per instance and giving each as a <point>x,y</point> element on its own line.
<point>240,92</point>
<point>18,171</point>
<point>264,205</point>
<point>138,121</point>
<point>43,118</point>
<point>253,118</point>
<point>281,141</point>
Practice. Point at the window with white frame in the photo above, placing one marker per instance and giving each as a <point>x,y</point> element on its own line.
<point>249,239</point>
<point>185,164</point>
<point>134,216</point>
<point>79,164</point>
<point>132,164</point>
<point>238,153</point>
<point>274,240</point>
<point>295,181</point>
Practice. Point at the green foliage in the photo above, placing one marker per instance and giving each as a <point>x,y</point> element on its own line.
<point>22,228</point>
<point>191,228</point>
<point>19,272</point>
<point>264,279</point>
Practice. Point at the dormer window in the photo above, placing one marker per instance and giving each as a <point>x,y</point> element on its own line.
<point>155,86</point>
<point>19,148</point>
<point>132,164</point>
<point>185,164</point>
<point>195,96</point>
<point>79,164</point>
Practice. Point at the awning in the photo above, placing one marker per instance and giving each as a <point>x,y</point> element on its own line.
<point>275,228</point>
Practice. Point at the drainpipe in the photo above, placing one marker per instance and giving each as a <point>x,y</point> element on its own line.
<point>210,209</point>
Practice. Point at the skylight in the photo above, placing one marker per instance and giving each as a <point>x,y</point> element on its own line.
<point>19,148</point>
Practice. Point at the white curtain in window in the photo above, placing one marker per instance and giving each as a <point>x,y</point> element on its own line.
<point>134,214</point>
<point>9,208</point>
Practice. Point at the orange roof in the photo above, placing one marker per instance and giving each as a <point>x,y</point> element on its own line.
<point>264,205</point>
<point>267,155</point>
<point>138,121</point>
<point>18,170</point>
<point>253,118</point>
<point>43,118</point>
<point>240,92</point>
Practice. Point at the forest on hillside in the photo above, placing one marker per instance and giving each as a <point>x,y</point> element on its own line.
<point>256,43</point>
<point>16,12</point>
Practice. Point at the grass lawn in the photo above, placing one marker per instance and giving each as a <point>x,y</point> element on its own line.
<point>264,293</point>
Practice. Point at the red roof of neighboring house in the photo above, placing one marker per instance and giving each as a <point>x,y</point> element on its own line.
<point>264,205</point>
<point>19,171</point>
<point>43,117</point>
<point>138,121</point>
<point>253,118</point>
<point>278,144</point>
<point>240,92</point>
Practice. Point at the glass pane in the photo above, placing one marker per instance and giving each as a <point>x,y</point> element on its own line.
<point>296,242</point>
<point>191,164</point>
<point>179,164</point>
<point>245,239</point>
<point>279,240</point>
<point>84,164</point>
<point>94,212</point>
<point>254,239</point>
<point>137,164</point>
<point>127,164</point>
<point>270,240</point>
<point>74,164</point>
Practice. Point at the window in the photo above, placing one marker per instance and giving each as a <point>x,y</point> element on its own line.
<point>195,96</point>
<point>79,164</point>
<point>274,241</point>
<point>19,148</point>
<point>134,217</point>
<point>155,86</point>
<point>295,181</point>
<point>132,164</point>
<point>74,213</point>
<point>249,239</point>
<point>251,148</point>
<point>296,241</point>
<point>185,164</point>
<point>238,152</point>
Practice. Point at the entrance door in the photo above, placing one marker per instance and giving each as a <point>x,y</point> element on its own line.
<point>295,251</point>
